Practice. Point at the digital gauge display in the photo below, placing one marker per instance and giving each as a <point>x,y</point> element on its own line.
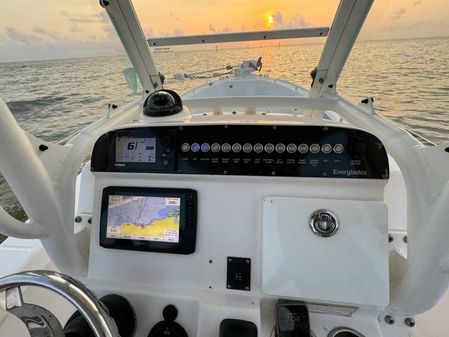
<point>135,150</point>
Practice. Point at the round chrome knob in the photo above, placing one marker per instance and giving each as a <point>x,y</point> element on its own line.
<point>323,223</point>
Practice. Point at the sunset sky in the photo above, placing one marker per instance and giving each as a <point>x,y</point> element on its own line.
<point>48,29</point>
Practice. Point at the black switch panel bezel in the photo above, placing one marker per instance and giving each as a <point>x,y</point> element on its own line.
<point>238,276</point>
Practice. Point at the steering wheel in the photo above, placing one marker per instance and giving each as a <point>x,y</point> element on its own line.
<point>41,322</point>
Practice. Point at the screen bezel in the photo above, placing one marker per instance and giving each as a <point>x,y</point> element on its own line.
<point>187,226</point>
<point>164,151</point>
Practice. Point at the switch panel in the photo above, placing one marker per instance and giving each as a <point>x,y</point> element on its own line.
<point>239,273</point>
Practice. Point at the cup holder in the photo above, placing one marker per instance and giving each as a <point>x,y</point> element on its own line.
<point>344,332</point>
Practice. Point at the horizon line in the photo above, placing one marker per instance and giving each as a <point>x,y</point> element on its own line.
<point>216,49</point>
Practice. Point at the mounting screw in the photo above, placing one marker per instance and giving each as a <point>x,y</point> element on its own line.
<point>43,147</point>
<point>229,259</point>
<point>389,319</point>
<point>89,221</point>
<point>247,288</point>
<point>390,238</point>
<point>229,286</point>
<point>78,219</point>
<point>410,322</point>
<point>405,239</point>
<point>321,80</point>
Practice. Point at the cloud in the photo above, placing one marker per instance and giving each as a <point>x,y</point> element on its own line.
<point>402,11</point>
<point>214,30</point>
<point>399,13</point>
<point>92,18</point>
<point>178,32</point>
<point>295,21</point>
<point>298,21</point>
<point>174,16</point>
<point>278,20</point>
<point>21,37</point>
<point>46,33</point>
<point>148,32</point>
<point>55,49</point>
<point>100,18</point>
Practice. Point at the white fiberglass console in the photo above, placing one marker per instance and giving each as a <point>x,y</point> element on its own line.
<point>224,221</point>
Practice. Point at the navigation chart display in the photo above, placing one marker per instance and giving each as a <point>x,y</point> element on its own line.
<point>148,218</point>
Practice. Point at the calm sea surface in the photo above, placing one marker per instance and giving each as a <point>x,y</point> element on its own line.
<point>409,80</point>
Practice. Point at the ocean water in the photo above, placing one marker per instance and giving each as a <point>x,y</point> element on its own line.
<point>409,80</point>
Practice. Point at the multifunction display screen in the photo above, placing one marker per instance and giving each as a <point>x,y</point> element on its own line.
<point>135,150</point>
<point>143,218</point>
<point>149,219</point>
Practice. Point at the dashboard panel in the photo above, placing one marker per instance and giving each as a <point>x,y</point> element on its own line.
<point>248,150</point>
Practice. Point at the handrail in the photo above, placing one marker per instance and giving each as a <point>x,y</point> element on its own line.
<point>10,226</point>
<point>426,177</point>
<point>253,102</point>
<point>43,177</point>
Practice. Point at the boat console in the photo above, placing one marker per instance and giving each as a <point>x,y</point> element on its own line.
<point>241,229</point>
<point>251,208</point>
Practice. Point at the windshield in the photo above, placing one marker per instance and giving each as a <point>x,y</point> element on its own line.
<point>400,58</point>
<point>289,59</point>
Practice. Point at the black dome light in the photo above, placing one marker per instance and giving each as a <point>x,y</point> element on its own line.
<point>162,103</point>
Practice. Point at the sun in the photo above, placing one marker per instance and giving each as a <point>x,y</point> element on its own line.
<point>269,20</point>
